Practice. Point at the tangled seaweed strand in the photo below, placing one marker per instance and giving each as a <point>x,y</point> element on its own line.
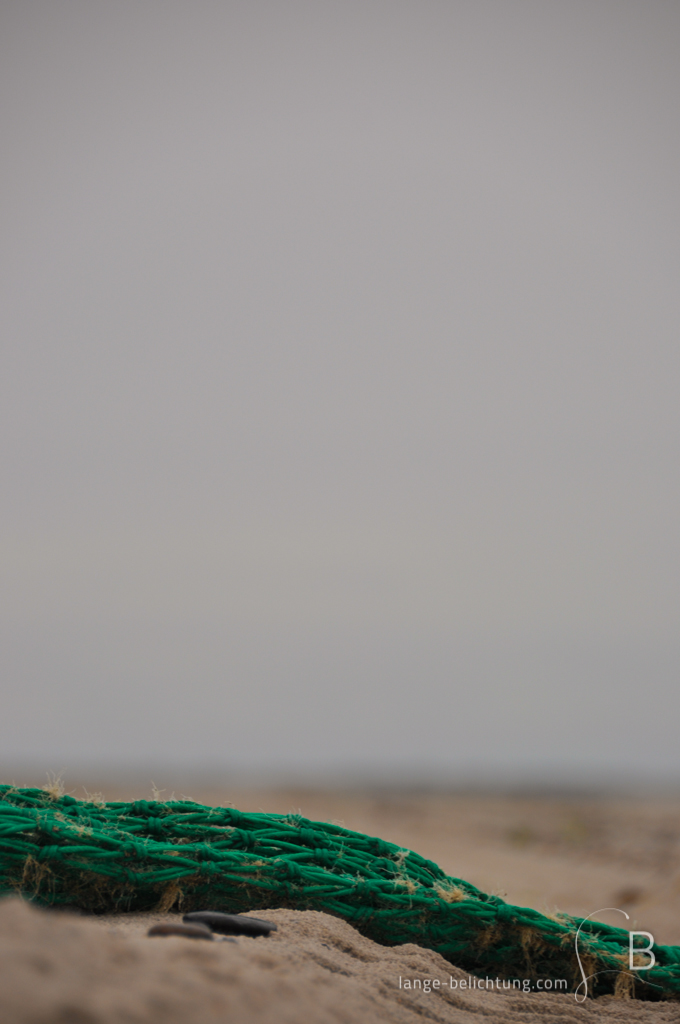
<point>114,857</point>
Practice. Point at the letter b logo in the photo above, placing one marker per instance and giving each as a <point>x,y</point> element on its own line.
<point>641,949</point>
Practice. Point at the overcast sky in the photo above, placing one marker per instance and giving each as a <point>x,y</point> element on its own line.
<point>339,386</point>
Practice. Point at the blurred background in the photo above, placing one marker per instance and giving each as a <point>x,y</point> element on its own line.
<point>339,417</point>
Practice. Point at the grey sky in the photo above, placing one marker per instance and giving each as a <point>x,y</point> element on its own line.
<point>339,385</point>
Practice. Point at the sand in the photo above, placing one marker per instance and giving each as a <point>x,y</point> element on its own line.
<point>61,969</point>
<point>576,854</point>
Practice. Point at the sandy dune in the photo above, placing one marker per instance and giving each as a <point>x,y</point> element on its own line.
<point>61,969</point>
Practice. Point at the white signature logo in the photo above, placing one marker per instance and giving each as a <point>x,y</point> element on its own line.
<point>633,951</point>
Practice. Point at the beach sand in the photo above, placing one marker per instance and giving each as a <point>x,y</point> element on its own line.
<point>575,854</point>
<point>60,969</point>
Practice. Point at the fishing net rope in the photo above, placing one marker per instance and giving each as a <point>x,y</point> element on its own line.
<point>180,856</point>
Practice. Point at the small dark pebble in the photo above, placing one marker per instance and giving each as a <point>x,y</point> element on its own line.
<point>230,924</point>
<point>195,930</point>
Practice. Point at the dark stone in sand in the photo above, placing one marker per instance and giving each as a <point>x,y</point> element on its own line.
<point>230,924</point>
<point>195,930</point>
